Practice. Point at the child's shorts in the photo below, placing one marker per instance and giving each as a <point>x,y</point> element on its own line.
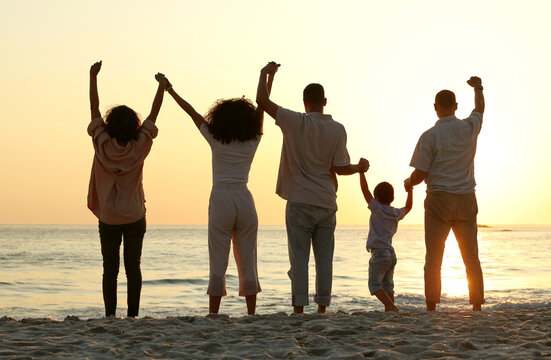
<point>381,270</point>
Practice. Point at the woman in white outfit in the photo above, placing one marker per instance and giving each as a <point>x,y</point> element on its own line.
<point>233,129</point>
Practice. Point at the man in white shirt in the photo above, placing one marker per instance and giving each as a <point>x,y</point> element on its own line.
<point>314,145</point>
<point>444,159</point>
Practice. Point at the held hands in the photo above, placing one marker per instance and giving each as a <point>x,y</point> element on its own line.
<point>163,81</point>
<point>364,163</point>
<point>474,81</point>
<point>95,68</point>
<point>407,185</point>
<point>270,68</point>
<point>272,72</point>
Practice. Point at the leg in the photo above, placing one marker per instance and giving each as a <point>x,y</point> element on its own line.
<point>214,304</point>
<point>299,234</point>
<point>221,221</point>
<point>384,297</point>
<point>388,287</point>
<point>465,230</point>
<point>251,304</point>
<point>437,229</point>
<point>323,244</point>
<point>133,242</point>
<point>381,263</point>
<point>244,248</point>
<point>110,237</point>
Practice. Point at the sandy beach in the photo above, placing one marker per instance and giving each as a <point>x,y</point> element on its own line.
<point>511,334</point>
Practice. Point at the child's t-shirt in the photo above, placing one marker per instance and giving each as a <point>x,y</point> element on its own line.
<point>383,224</point>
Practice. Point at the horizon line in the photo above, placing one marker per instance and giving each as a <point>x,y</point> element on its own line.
<point>205,224</point>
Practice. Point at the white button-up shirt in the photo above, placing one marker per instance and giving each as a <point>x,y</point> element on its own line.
<point>446,152</point>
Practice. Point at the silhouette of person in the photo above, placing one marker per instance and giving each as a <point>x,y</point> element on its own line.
<point>444,159</point>
<point>314,145</point>
<point>115,195</point>
<point>233,129</point>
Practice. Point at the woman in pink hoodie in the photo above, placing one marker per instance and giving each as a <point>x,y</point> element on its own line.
<point>116,196</point>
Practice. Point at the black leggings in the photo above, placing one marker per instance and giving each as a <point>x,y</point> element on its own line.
<point>111,237</point>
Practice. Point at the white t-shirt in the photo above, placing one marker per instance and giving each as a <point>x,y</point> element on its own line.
<point>231,162</point>
<point>446,152</point>
<point>383,224</point>
<point>312,144</point>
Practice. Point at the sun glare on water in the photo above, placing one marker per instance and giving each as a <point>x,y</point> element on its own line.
<point>454,280</point>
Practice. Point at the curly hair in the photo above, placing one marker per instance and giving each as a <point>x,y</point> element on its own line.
<point>122,123</point>
<point>234,119</point>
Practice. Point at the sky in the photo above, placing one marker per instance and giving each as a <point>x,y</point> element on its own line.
<point>381,64</point>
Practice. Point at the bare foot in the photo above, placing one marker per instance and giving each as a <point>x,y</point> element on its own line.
<point>321,309</point>
<point>431,306</point>
<point>298,309</point>
<point>477,307</point>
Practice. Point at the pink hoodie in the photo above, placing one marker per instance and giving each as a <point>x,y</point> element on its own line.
<point>115,194</point>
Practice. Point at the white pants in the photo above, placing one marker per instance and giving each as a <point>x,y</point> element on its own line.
<point>232,215</point>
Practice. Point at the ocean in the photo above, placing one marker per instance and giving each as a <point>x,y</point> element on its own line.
<point>54,271</point>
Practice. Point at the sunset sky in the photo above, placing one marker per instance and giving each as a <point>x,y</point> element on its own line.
<point>381,64</point>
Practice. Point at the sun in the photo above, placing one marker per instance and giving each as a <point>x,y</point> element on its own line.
<point>454,280</point>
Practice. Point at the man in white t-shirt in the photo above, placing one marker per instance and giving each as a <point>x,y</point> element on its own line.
<point>314,145</point>
<point>444,158</point>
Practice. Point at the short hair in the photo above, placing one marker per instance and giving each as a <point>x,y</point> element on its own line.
<point>313,94</point>
<point>122,123</point>
<point>384,192</point>
<point>234,119</point>
<point>445,99</point>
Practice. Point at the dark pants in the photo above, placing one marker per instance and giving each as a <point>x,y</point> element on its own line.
<point>111,237</point>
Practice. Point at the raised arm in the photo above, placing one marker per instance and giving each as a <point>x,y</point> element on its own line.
<point>365,189</point>
<point>158,100</point>
<point>476,83</point>
<point>195,116</point>
<point>361,166</point>
<point>259,111</point>
<point>94,98</point>
<point>262,92</point>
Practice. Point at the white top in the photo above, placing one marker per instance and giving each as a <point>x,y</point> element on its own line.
<point>230,162</point>
<point>383,224</point>
<point>312,144</point>
<point>446,152</point>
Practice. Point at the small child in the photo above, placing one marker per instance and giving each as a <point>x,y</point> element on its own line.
<point>383,224</point>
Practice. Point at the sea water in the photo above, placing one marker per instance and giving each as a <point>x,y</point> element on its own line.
<point>55,271</point>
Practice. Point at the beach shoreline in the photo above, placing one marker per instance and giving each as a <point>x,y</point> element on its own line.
<point>512,333</point>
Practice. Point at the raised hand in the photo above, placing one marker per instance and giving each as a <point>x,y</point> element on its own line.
<point>474,81</point>
<point>95,68</point>
<point>163,81</point>
<point>365,164</point>
<point>271,68</point>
